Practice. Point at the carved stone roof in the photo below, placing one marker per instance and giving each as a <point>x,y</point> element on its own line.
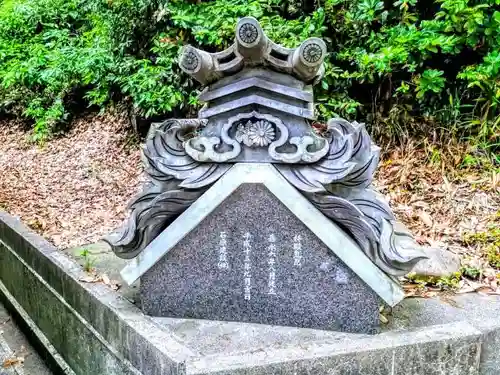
<point>253,48</point>
<point>336,240</point>
<point>285,94</point>
<point>258,107</point>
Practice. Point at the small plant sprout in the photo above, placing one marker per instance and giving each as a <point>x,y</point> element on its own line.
<point>88,260</point>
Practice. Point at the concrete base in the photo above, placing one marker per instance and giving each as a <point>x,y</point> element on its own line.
<point>98,331</point>
<point>15,344</point>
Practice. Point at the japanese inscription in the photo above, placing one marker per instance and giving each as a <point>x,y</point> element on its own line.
<point>247,265</point>
<point>297,250</point>
<point>223,263</point>
<point>271,283</point>
<point>270,245</point>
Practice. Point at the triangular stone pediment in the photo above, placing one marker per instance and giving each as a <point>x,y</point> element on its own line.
<point>331,238</point>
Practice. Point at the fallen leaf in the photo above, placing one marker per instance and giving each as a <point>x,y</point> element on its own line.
<point>426,218</point>
<point>89,279</point>
<point>12,361</point>
<point>429,294</point>
<point>383,319</point>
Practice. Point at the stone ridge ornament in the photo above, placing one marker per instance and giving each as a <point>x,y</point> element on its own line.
<point>190,61</point>
<point>256,134</point>
<point>312,53</point>
<point>248,33</point>
<point>258,112</point>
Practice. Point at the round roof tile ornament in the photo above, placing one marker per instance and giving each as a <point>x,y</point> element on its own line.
<point>197,63</point>
<point>190,60</point>
<point>248,32</point>
<point>251,49</point>
<point>312,52</point>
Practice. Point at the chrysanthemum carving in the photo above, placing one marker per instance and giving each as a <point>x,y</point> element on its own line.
<point>256,134</point>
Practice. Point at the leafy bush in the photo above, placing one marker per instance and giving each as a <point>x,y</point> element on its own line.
<point>405,67</point>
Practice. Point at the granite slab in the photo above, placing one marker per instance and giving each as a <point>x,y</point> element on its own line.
<point>387,288</point>
<point>252,260</point>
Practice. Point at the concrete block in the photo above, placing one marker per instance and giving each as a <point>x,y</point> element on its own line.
<point>490,347</point>
<point>89,314</point>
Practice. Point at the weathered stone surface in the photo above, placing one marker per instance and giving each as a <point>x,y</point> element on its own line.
<point>490,347</point>
<point>480,311</point>
<point>252,260</point>
<point>251,47</point>
<point>259,105</point>
<point>440,263</point>
<point>443,350</point>
<point>59,322</point>
<point>103,258</point>
<point>331,235</point>
<point>6,354</point>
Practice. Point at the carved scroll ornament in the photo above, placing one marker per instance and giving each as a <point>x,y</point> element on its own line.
<point>176,181</point>
<point>339,186</point>
<point>255,129</point>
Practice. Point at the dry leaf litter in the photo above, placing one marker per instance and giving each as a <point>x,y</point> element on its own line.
<point>75,188</point>
<point>15,359</point>
<point>443,204</point>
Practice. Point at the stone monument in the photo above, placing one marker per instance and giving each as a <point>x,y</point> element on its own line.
<point>253,212</point>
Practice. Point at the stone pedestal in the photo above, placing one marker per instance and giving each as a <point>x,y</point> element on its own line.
<point>257,212</point>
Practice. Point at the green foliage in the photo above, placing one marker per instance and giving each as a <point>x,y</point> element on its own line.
<point>450,282</point>
<point>88,260</point>
<point>404,67</point>
<point>494,255</point>
<point>471,272</point>
<point>430,80</point>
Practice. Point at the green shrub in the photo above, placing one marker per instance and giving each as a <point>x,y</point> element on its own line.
<point>402,66</point>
